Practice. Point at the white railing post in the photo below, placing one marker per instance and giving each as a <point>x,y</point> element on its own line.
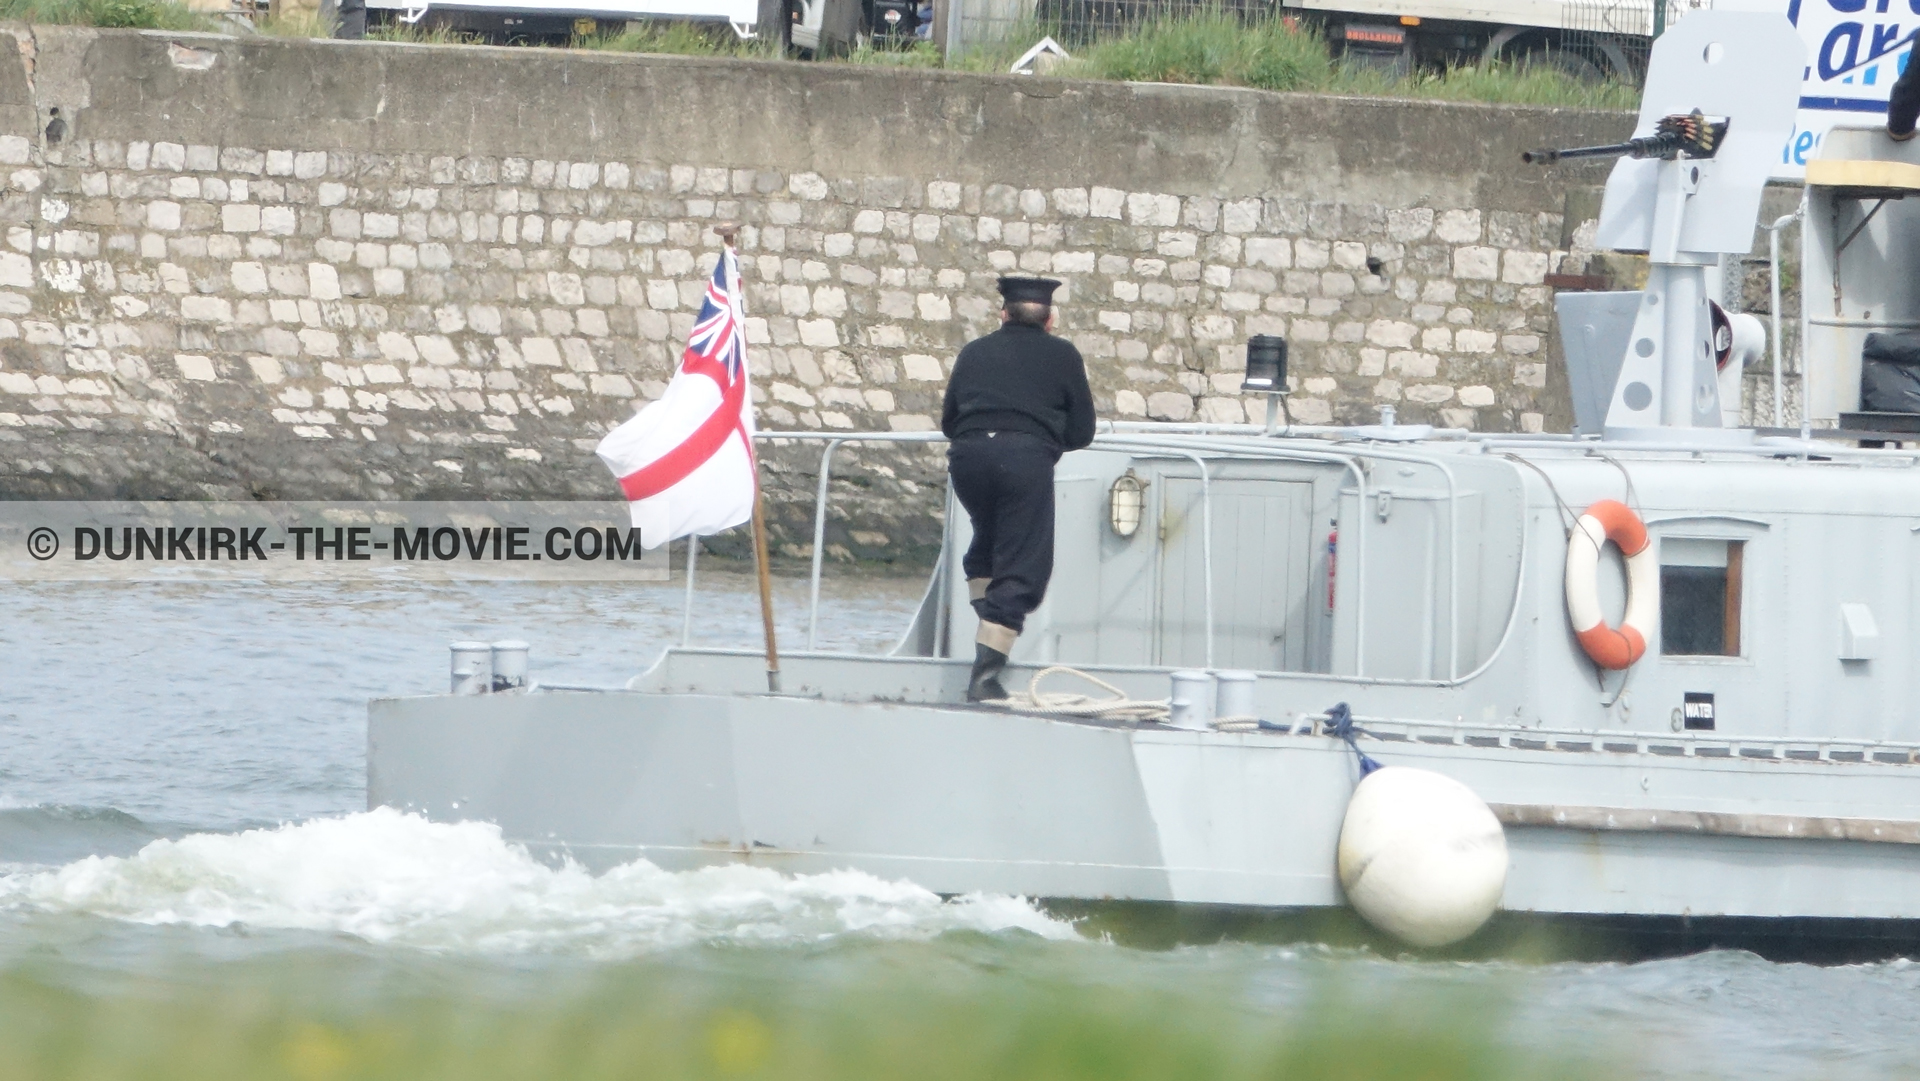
<point>686,615</point>
<point>819,540</point>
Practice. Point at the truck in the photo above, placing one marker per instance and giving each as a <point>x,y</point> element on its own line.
<point>829,27</point>
<point>1585,39</point>
<point>812,27</point>
<point>543,22</point>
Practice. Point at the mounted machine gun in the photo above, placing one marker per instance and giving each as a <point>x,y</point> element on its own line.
<point>1718,106</point>
<point>1693,134</point>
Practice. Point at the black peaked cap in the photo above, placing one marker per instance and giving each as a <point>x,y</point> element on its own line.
<point>1028,290</point>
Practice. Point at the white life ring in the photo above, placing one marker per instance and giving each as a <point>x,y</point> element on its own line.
<point>1611,647</point>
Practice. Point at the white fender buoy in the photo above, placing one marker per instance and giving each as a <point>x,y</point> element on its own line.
<point>1421,857</point>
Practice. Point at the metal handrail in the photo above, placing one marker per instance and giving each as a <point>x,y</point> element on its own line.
<point>1690,738</point>
<point>1268,452</point>
<point>1384,454</point>
<point>1206,538</point>
<point>833,441</point>
<point>1762,447</point>
<point>1773,268</point>
<point>1195,445</point>
<point>819,540</point>
<point>686,617</point>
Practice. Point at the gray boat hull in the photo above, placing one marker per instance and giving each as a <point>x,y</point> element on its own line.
<point>961,799</point>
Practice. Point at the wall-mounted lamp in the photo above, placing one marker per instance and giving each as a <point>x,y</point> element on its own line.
<point>1267,374</point>
<point>1126,504</point>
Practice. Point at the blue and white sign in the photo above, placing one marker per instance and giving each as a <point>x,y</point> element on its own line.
<point>1855,51</point>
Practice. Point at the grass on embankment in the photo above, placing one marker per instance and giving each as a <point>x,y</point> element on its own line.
<point>113,14</point>
<point>1215,49</point>
<point>679,39</point>
<point>1208,48</point>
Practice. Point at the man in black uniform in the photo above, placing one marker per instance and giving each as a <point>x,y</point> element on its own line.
<point>1017,401</point>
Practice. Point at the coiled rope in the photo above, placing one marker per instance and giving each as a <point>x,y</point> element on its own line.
<point>1248,723</point>
<point>1117,707</point>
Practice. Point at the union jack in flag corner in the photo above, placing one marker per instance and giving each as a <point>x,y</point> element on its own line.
<point>686,461</point>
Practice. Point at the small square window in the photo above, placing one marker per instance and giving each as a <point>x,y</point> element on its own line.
<point>1700,597</point>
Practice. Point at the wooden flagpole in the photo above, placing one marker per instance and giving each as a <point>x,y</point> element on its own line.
<point>766,579</point>
<point>727,231</point>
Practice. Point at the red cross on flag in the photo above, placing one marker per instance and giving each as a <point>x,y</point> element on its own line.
<point>685,462</point>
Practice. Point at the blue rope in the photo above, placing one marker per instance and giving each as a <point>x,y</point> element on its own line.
<point>1340,724</point>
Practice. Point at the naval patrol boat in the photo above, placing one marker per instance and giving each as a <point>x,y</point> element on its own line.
<point>1669,659</point>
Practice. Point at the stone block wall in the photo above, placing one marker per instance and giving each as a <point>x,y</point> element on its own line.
<point>320,269</point>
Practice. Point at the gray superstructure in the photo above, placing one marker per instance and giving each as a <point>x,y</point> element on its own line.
<point>1758,761</point>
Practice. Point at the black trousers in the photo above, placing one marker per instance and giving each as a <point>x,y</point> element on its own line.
<point>1005,481</point>
<point>351,20</point>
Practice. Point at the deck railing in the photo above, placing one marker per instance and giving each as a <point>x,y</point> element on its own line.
<point>1196,443</point>
<point>1121,436</point>
<point>1200,443</point>
<point>834,440</point>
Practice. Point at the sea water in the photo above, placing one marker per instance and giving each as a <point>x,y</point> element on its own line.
<point>191,887</point>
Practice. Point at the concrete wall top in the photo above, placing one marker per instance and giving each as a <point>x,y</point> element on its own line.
<point>834,119</point>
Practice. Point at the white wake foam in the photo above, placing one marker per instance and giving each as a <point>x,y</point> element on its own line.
<point>392,877</point>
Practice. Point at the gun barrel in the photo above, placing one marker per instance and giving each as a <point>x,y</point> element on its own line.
<point>1548,157</point>
<point>1694,134</point>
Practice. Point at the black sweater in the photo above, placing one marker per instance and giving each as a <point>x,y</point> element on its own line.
<point>1020,379</point>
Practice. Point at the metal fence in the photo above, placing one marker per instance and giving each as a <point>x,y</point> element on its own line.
<point>1080,21</point>
<point>1614,36</point>
<point>1077,22</point>
<point>1597,36</point>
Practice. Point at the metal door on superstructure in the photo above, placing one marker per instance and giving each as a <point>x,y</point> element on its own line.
<point>1262,537</point>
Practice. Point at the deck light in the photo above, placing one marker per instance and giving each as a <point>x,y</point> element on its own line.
<point>1126,503</point>
<point>1266,365</point>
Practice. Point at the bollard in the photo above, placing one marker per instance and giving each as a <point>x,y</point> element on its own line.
<point>1235,698</point>
<point>1191,705</point>
<point>510,665</point>
<point>472,668</point>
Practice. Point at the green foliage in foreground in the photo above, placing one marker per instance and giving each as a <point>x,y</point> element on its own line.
<point>637,1024</point>
<point>117,14</point>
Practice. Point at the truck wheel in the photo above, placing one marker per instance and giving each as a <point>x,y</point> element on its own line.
<point>1582,57</point>
<point>1572,65</point>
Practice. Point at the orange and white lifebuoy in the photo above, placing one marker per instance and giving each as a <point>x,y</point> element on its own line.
<point>1611,647</point>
